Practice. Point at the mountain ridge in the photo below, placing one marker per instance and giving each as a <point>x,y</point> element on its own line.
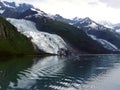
<point>80,36</point>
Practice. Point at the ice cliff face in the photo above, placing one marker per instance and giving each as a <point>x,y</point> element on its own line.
<point>49,43</point>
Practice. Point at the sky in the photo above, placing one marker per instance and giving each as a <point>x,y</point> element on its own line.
<point>98,10</point>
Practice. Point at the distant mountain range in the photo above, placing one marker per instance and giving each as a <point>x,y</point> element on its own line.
<point>115,27</point>
<point>57,35</point>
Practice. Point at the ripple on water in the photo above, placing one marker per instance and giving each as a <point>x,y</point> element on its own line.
<point>88,72</point>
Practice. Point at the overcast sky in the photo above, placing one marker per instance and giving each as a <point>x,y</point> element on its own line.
<point>95,9</point>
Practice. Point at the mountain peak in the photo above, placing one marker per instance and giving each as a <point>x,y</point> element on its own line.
<point>76,19</point>
<point>57,16</point>
<point>83,20</point>
<point>19,7</point>
<point>87,19</point>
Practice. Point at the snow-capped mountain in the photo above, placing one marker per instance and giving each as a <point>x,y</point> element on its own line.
<point>84,23</point>
<point>20,10</point>
<point>76,19</point>
<point>46,42</point>
<point>12,9</point>
<point>87,24</point>
<point>54,34</point>
<point>34,12</point>
<point>62,19</point>
<point>18,7</point>
<point>106,36</point>
<point>117,27</point>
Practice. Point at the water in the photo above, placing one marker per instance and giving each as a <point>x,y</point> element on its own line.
<point>88,72</point>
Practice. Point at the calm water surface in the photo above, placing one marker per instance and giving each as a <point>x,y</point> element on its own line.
<point>88,72</point>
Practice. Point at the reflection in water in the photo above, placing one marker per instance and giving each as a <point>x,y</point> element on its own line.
<point>60,73</point>
<point>11,69</point>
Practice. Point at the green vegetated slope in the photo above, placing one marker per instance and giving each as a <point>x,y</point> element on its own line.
<point>77,38</point>
<point>13,42</point>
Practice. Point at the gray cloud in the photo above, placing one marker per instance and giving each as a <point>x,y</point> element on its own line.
<point>112,3</point>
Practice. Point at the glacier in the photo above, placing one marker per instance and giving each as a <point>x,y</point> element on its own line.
<point>49,43</point>
<point>105,43</point>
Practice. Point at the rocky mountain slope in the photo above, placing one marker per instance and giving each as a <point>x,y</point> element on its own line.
<point>81,35</point>
<point>108,37</point>
<point>13,42</point>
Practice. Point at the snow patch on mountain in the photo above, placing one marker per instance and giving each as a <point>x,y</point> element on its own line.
<point>38,13</point>
<point>15,6</point>
<point>12,4</point>
<point>108,45</point>
<point>87,24</point>
<point>2,11</point>
<point>105,43</point>
<point>49,43</point>
<point>6,4</point>
<point>118,30</point>
<point>76,19</point>
<point>106,24</point>
<point>92,25</point>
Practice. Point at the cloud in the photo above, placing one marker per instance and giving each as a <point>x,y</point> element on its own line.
<point>26,1</point>
<point>93,3</point>
<point>111,3</point>
<point>95,9</point>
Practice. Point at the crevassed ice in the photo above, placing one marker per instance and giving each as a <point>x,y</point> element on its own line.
<point>49,43</point>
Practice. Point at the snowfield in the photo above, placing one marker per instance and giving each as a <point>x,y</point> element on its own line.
<point>49,43</point>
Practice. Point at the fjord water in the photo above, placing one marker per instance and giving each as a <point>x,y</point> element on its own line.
<point>87,72</point>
